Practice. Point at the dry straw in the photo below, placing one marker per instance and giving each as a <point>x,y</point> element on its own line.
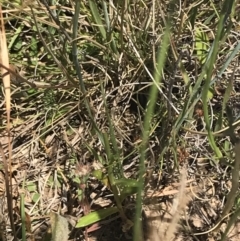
<point>4,60</point>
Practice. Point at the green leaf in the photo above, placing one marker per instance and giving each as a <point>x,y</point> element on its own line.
<point>98,174</point>
<point>101,176</point>
<point>201,45</point>
<point>76,180</point>
<point>15,37</point>
<point>210,94</point>
<point>33,44</point>
<point>127,187</point>
<point>96,216</point>
<point>127,182</point>
<point>18,45</point>
<point>31,187</point>
<point>35,197</point>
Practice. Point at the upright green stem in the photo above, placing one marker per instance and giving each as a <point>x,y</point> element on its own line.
<point>74,46</point>
<point>111,180</point>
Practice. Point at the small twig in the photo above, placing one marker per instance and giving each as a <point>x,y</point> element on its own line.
<point>220,133</point>
<point>213,228</point>
<point>18,76</point>
<point>34,84</point>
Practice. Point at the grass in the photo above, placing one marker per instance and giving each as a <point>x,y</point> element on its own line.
<point>111,102</point>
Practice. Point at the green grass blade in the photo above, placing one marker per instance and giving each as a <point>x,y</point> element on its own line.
<point>209,70</point>
<point>226,97</point>
<point>109,32</point>
<point>227,62</point>
<point>96,216</point>
<point>15,36</point>
<point>74,46</point>
<point>23,217</point>
<point>161,58</point>
<point>97,18</point>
